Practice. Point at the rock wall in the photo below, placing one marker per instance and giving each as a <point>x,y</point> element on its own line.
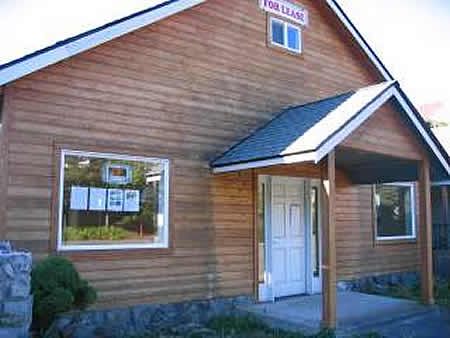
<point>380,283</point>
<point>182,319</point>
<point>15,285</point>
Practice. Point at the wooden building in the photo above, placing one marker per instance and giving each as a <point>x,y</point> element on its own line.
<point>209,148</point>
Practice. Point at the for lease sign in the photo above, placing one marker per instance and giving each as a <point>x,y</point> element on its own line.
<point>286,9</point>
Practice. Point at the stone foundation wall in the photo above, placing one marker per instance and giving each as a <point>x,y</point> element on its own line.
<point>441,260</point>
<point>380,283</point>
<point>184,318</point>
<point>15,285</point>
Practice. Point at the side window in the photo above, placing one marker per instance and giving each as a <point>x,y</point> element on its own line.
<point>395,211</point>
<point>112,201</point>
<point>285,35</point>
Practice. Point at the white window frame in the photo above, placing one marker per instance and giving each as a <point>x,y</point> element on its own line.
<point>64,247</point>
<point>285,34</point>
<point>412,190</point>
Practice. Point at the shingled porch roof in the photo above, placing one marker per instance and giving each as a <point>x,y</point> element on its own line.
<point>308,132</point>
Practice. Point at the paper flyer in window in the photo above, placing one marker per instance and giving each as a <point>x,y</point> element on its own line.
<point>115,200</point>
<point>97,199</point>
<point>131,201</point>
<point>78,198</point>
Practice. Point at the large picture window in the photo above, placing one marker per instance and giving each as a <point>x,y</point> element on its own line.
<point>395,211</point>
<point>110,201</point>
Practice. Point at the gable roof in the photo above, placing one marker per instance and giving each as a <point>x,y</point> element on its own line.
<point>309,132</point>
<point>71,46</point>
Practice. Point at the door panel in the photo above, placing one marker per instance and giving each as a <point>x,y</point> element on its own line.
<point>279,270</point>
<point>288,236</point>
<point>296,258</point>
<point>295,221</point>
<point>279,220</point>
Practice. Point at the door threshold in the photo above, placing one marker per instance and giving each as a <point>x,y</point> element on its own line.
<point>285,298</point>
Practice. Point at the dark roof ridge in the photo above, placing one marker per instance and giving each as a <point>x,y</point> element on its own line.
<point>288,108</point>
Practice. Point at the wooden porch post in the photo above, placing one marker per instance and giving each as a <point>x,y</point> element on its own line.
<point>329,293</point>
<point>425,226</point>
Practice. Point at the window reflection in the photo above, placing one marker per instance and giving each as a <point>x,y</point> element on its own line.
<point>109,200</point>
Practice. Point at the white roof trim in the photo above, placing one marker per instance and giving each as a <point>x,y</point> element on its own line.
<point>359,119</point>
<point>357,36</point>
<point>289,159</point>
<point>422,131</point>
<point>52,56</point>
<point>441,183</point>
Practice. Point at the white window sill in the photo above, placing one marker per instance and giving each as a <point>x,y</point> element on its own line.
<point>65,248</point>
<point>396,238</point>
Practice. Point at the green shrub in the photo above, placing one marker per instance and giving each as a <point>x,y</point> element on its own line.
<point>57,287</point>
<point>111,233</point>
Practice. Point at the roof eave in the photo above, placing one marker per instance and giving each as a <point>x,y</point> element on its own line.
<point>80,43</point>
<point>310,156</point>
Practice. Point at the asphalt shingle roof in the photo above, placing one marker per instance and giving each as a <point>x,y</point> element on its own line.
<point>302,128</point>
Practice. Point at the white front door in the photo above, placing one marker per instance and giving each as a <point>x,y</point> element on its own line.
<point>288,237</point>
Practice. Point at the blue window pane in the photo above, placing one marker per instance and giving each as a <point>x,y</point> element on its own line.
<point>277,32</point>
<point>293,38</point>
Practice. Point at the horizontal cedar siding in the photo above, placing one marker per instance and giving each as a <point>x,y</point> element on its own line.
<point>385,132</point>
<point>186,89</point>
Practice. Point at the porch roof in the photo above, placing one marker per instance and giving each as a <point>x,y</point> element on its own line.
<point>308,132</point>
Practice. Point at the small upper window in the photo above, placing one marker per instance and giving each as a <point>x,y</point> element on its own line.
<point>111,201</point>
<point>395,212</point>
<point>285,35</point>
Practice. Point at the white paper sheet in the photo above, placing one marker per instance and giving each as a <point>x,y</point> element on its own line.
<point>115,200</point>
<point>131,201</point>
<point>78,198</point>
<point>97,199</point>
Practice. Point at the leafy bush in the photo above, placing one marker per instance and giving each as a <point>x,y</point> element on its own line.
<point>57,287</point>
<point>111,233</point>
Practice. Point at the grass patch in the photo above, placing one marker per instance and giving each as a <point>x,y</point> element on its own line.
<point>247,327</point>
<point>111,233</point>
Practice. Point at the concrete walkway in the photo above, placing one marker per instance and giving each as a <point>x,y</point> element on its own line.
<point>357,313</point>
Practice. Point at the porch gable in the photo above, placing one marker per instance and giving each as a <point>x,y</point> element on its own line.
<point>309,132</point>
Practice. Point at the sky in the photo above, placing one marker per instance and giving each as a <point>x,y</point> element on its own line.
<point>30,24</point>
<point>412,37</point>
